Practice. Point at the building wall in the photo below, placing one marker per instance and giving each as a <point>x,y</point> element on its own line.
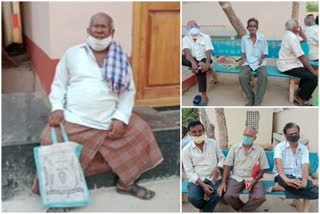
<point>307,119</point>
<point>271,15</point>
<point>50,28</point>
<point>56,26</point>
<point>236,120</point>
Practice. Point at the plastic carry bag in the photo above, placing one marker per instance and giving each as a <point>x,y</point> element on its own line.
<point>61,179</point>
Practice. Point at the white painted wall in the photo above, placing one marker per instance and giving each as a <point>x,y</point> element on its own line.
<point>306,118</point>
<point>56,26</point>
<point>271,15</point>
<point>236,120</point>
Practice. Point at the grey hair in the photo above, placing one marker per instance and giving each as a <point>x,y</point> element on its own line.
<point>109,18</point>
<point>290,24</point>
<point>252,128</point>
<point>308,20</point>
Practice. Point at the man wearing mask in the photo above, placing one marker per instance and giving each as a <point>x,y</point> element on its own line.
<point>202,161</point>
<point>291,169</point>
<point>94,98</point>
<point>197,49</point>
<point>254,48</point>
<point>244,158</point>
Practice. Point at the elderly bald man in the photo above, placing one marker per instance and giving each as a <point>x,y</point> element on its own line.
<point>93,98</point>
<point>244,158</point>
<point>292,61</point>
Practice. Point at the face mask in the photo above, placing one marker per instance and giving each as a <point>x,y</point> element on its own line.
<point>193,31</point>
<point>293,138</point>
<point>198,139</point>
<point>247,141</point>
<point>99,44</point>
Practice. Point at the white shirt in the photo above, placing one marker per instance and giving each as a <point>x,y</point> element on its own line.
<point>254,51</point>
<point>289,52</point>
<point>199,164</point>
<point>79,90</point>
<point>199,47</point>
<point>311,33</point>
<point>291,164</point>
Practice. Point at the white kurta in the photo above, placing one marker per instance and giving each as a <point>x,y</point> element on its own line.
<point>79,90</point>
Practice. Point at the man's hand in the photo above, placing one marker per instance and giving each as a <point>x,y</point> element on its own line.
<point>251,185</point>
<point>222,188</point>
<point>242,62</point>
<point>293,183</point>
<point>195,68</point>
<point>215,175</point>
<point>207,189</point>
<point>56,118</point>
<point>302,184</point>
<point>205,66</point>
<point>117,129</point>
<point>260,61</point>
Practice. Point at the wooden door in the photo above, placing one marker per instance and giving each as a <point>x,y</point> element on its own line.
<point>156,53</point>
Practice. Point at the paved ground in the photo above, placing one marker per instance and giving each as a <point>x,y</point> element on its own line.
<point>167,199</point>
<point>228,92</point>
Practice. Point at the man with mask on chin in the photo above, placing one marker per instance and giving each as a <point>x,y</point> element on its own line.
<point>254,49</point>
<point>93,94</point>
<point>291,169</point>
<point>244,158</point>
<point>202,161</point>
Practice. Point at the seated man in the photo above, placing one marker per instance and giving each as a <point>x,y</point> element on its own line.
<point>244,158</point>
<point>291,169</point>
<point>293,62</point>
<point>311,31</point>
<point>197,49</point>
<point>94,100</point>
<point>202,161</point>
<point>254,48</point>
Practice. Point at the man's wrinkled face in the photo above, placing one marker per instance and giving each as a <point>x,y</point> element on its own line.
<point>250,133</point>
<point>196,131</point>
<point>252,27</point>
<point>100,27</point>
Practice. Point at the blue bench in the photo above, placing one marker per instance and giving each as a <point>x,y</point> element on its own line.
<point>314,162</point>
<point>232,48</point>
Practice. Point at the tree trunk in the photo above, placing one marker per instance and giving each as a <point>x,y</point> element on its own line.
<point>233,18</point>
<point>223,131</point>
<point>295,10</point>
<point>208,126</point>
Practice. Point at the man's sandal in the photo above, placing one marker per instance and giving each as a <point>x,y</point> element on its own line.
<point>57,210</point>
<point>135,190</point>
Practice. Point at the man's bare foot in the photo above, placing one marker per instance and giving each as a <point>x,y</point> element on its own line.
<point>276,188</point>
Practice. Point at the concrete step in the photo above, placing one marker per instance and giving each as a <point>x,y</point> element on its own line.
<point>24,115</point>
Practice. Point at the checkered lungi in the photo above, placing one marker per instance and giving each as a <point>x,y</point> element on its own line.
<point>134,153</point>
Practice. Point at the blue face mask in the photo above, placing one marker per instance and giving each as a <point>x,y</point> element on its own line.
<point>247,141</point>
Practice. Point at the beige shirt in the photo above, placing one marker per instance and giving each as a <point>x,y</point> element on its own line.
<point>289,52</point>
<point>199,164</point>
<point>243,165</point>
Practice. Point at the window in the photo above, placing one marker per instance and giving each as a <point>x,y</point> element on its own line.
<point>253,118</point>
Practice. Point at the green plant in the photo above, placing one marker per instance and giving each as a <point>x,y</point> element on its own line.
<point>189,114</point>
<point>312,6</point>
